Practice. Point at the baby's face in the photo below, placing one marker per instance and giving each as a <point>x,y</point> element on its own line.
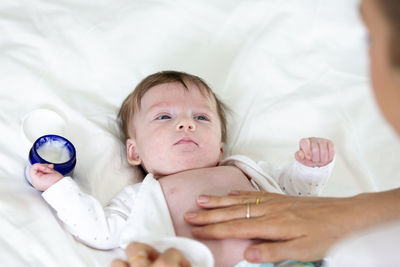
<point>175,130</point>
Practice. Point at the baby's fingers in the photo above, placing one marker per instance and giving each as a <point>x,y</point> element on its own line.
<point>326,151</point>
<point>47,168</point>
<point>305,147</point>
<point>332,150</point>
<point>300,156</point>
<point>323,151</point>
<point>43,168</point>
<point>315,151</point>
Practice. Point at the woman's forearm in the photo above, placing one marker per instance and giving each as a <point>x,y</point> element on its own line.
<point>376,208</point>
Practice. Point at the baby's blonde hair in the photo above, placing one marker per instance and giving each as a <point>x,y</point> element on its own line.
<point>132,102</point>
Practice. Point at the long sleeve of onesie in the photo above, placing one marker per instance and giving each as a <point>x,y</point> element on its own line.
<point>298,179</point>
<point>85,217</point>
<point>293,179</point>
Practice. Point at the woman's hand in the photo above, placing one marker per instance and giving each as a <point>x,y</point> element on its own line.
<point>139,254</point>
<point>298,228</point>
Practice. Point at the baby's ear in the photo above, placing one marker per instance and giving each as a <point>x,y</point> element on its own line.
<point>131,152</point>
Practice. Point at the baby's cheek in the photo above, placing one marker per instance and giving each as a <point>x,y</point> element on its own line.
<point>154,156</point>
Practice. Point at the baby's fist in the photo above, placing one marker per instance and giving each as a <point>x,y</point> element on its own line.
<point>315,152</point>
<point>43,176</point>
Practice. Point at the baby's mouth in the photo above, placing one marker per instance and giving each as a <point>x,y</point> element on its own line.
<point>185,140</point>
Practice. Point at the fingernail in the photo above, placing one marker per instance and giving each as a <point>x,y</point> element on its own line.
<point>190,215</point>
<point>234,193</point>
<point>253,255</point>
<point>202,199</point>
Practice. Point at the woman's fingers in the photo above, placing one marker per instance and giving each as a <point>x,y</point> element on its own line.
<point>236,207</point>
<point>284,236</point>
<point>171,258</point>
<point>255,208</point>
<point>243,228</point>
<point>263,227</point>
<point>143,255</point>
<point>234,198</point>
<point>288,227</point>
<point>119,263</point>
<point>217,215</point>
<point>206,201</point>
<point>281,250</point>
<point>246,193</point>
<point>140,255</point>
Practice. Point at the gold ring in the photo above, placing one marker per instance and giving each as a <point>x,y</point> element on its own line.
<point>140,255</point>
<point>248,215</point>
<point>258,200</point>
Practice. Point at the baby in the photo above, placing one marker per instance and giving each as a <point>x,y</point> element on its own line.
<point>175,129</point>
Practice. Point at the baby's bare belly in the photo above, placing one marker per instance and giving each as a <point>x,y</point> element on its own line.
<point>181,191</point>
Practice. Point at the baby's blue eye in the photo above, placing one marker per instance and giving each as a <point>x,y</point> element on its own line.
<point>201,118</point>
<point>163,117</point>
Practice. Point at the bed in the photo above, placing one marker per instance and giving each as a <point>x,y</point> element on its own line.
<point>287,68</point>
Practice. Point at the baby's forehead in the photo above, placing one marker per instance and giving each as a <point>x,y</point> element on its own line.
<point>163,92</point>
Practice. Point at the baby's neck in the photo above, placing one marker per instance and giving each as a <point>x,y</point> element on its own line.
<point>157,175</point>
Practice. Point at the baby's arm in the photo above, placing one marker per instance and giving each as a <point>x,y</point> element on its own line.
<point>43,176</point>
<point>84,216</point>
<point>315,152</point>
<point>311,170</point>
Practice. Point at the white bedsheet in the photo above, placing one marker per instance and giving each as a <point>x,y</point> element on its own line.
<point>287,68</point>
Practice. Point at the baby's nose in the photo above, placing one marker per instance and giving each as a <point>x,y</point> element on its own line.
<point>186,125</point>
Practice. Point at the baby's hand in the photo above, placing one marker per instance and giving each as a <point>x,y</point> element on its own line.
<point>315,152</point>
<point>43,176</point>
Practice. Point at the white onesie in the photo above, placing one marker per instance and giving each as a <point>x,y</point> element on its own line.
<point>130,216</point>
